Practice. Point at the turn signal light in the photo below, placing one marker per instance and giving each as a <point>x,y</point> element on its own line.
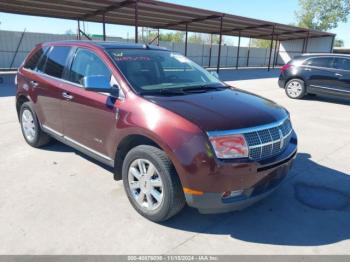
<point>192,191</point>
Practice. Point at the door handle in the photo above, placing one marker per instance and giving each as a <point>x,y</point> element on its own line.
<point>337,74</point>
<point>34,83</point>
<point>67,96</point>
<point>307,69</point>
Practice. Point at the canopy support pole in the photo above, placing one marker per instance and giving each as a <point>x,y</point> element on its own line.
<point>104,27</point>
<point>303,48</point>
<point>78,31</point>
<point>274,53</point>
<point>332,44</point>
<point>271,45</point>
<point>277,53</point>
<point>158,36</point>
<point>211,46</point>
<point>248,54</point>
<point>136,22</point>
<point>220,41</point>
<point>307,41</point>
<point>239,45</point>
<point>186,39</point>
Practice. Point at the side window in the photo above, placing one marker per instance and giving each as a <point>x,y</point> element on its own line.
<point>34,59</point>
<point>320,62</point>
<point>42,61</point>
<point>56,61</point>
<point>87,63</point>
<point>342,63</point>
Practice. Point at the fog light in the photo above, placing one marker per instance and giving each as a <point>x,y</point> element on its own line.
<point>235,193</point>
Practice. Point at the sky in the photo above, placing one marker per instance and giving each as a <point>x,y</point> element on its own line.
<point>271,10</point>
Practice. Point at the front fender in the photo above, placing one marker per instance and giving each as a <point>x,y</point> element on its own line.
<point>185,143</point>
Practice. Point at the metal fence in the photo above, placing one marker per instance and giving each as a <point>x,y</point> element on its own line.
<point>14,46</point>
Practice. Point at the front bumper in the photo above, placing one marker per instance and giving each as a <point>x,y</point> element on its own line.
<point>271,177</point>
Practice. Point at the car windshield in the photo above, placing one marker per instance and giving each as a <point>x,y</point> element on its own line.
<point>160,71</point>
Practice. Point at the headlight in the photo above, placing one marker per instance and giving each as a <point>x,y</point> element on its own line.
<point>230,146</point>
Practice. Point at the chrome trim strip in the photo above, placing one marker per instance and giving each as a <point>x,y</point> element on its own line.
<point>279,161</point>
<point>246,130</point>
<point>58,79</point>
<point>52,77</point>
<point>87,148</point>
<point>52,130</point>
<point>261,148</point>
<point>329,88</point>
<point>122,96</point>
<point>272,142</point>
<point>76,143</point>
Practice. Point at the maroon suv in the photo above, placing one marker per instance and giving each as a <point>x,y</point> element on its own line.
<point>171,130</point>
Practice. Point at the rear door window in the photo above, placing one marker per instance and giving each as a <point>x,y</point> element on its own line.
<point>326,62</point>
<point>342,63</point>
<point>34,59</point>
<point>42,61</point>
<point>56,61</point>
<point>87,63</point>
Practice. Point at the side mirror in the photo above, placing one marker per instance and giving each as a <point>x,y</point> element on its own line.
<point>214,74</point>
<point>100,83</point>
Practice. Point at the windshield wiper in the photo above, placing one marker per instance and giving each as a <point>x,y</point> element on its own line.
<point>165,92</point>
<point>203,88</point>
<point>183,90</point>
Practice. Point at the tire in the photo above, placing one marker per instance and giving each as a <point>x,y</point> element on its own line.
<point>143,196</point>
<point>295,89</point>
<point>29,121</point>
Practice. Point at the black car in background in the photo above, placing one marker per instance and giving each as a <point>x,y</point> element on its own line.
<point>316,74</point>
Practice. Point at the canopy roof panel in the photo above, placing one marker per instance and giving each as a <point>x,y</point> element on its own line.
<point>156,14</point>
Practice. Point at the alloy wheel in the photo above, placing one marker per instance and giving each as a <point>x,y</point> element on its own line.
<point>294,89</point>
<point>145,184</point>
<point>29,128</point>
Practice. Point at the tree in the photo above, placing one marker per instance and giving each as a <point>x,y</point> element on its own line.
<point>260,43</point>
<point>176,37</point>
<point>69,32</point>
<point>215,39</point>
<point>322,14</point>
<point>196,38</point>
<point>179,37</point>
<point>338,43</point>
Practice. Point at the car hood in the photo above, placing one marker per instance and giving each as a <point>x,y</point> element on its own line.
<point>223,110</point>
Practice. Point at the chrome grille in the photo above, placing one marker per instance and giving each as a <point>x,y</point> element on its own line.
<point>268,142</point>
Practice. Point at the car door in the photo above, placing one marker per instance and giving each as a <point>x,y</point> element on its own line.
<point>342,66</point>
<point>48,87</point>
<point>31,79</point>
<point>321,74</point>
<point>89,118</point>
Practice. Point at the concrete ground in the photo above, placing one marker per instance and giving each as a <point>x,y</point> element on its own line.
<point>57,201</point>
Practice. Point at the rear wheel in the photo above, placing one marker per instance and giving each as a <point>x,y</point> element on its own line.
<point>295,89</point>
<point>31,130</point>
<point>151,183</point>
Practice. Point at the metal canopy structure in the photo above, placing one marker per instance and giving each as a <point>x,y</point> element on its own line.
<point>160,15</point>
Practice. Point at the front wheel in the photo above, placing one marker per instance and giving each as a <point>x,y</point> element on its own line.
<point>151,183</point>
<point>295,89</point>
